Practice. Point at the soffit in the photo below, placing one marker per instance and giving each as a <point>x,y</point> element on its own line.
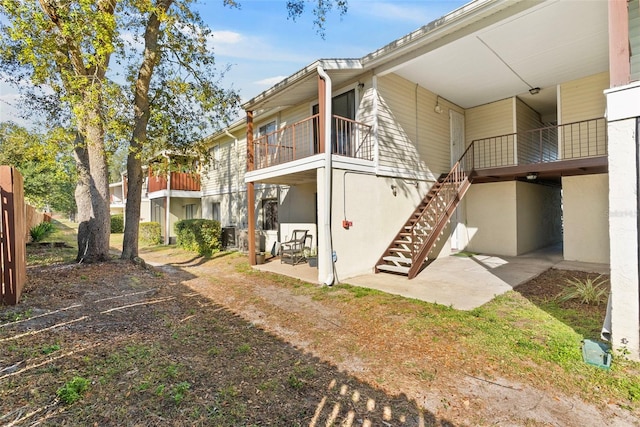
<point>550,43</point>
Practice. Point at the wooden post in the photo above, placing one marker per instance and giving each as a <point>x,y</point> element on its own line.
<point>251,196</point>
<point>13,235</point>
<point>619,57</point>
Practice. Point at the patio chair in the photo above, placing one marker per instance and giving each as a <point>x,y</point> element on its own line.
<point>292,251</point>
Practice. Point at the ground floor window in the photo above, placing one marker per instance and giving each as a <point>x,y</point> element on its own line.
<point>215,211</point>
<point>189,211</point>
<point>270,214</point>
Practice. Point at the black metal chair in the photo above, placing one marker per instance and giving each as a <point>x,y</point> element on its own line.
<point>292,251</point>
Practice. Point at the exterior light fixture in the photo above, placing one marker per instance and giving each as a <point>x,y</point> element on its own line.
<point>394,190</point>
<point>438,108</point>
<point>534,90</point>
<point>532,176</point>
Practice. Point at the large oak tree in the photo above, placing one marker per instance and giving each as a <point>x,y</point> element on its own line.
<point>164,91</point>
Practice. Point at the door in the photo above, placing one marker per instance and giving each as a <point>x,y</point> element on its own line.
<point>456,132</point>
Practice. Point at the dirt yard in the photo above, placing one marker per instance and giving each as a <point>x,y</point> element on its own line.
<point>209,342</point>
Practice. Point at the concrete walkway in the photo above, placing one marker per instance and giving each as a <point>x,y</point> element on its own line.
<point>461,282</point>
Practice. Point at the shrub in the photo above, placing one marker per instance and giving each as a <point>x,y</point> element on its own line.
<point>117,223</point>
<point>203,236</point>
<point>150,233</point>
<point>73,390</point>
<point>588,291</point>
<point>41,231</point>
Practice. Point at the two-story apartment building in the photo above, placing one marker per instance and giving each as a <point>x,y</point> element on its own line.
<point>502,127</point>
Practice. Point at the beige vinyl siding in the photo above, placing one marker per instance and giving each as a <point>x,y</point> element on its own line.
<point>634,38</point>
<point>582,100</point>
<point>537,145</point>
<point>485,122</point>
<point>411,135</point>
<point>226,174</point>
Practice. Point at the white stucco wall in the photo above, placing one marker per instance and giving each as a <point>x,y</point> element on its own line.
<point>492,218</point>
<point>539,216</point>
<point>586,228</point>
<point>376,214</point>
<point>623,107</point>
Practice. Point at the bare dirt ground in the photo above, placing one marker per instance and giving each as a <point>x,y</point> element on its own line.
<point>207,342</point>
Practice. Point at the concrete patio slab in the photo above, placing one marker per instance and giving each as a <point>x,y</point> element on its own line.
<point>460,282</point>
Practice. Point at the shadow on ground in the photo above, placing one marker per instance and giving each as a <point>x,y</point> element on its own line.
<point>155,352</point>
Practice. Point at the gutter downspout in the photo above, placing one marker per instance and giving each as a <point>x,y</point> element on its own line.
<point>328,248</point>
<point>167,214</point>
<point>235,148</point>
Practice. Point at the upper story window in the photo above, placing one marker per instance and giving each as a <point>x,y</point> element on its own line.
<point>343,105</point>
<point>269,130</point>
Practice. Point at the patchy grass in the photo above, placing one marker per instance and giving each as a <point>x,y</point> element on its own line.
<point>156,351</point>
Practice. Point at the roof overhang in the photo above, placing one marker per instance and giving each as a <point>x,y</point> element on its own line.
<point>303,84</point>
<point>484,51</point>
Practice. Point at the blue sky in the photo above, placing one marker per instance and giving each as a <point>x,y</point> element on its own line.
<point>262,46</point>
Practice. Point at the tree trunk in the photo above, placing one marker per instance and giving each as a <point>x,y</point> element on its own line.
<point>132,208</point>
<point>83,198</point>
<point>92,193</point>
<point>139,137</point>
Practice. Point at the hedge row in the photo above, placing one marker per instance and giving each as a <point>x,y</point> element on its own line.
<point>199,235</point>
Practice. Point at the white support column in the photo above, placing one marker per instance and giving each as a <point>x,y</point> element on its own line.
<point>623,111</point>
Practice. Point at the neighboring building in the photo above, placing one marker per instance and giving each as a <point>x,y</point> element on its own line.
<point>118,199</point>
<point>502,127</point>
<point>173,190</point>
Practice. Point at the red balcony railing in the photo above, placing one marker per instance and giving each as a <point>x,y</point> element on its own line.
<point>301,139</point>
<point>179,181</point>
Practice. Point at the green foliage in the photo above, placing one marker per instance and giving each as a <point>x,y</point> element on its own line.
<point>591,291</point>
<point>48,349</point>
<point>117,224</point>
<point>41,231</point>
<point>49,174</point>
<point>150,233</point>
<point>203,236</point>
<point>73,390</point>
<point>179,392</point>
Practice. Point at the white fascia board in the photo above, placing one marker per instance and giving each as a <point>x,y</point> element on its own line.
<point>186,194</point>
<point>308,163</point>
<point>175,194</point>
<point>309,70</point>
<point>623,102</point>
<point>157,194</point>
<point>348,163</point>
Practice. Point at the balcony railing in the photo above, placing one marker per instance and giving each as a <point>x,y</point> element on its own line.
<point>569,141</point>
<point>179,181</point>
<point>299,140</point>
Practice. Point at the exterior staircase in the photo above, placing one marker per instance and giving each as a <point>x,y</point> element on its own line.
<point>410,248</point>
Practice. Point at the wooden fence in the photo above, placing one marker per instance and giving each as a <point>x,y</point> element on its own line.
<point>13,260</point>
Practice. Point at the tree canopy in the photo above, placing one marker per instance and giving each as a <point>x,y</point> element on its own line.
<point>45,164</point>
<point>118,71</point>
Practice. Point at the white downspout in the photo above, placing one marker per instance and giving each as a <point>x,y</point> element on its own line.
<point>167,214</point>
<point>328,172</point>
<point>235,149</point>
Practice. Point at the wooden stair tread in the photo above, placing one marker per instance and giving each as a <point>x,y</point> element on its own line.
<point>393,268</point>
<point>400,259</point>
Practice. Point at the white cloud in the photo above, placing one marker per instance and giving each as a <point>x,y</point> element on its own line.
<point>270,81</point>
<point>416,12</point>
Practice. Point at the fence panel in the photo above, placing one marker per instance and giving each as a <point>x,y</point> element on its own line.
<point>13,260</point>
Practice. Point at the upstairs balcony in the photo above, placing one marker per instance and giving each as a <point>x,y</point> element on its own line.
<point>179,181</point>
<point>302,139</point>
<point>553,151</point>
